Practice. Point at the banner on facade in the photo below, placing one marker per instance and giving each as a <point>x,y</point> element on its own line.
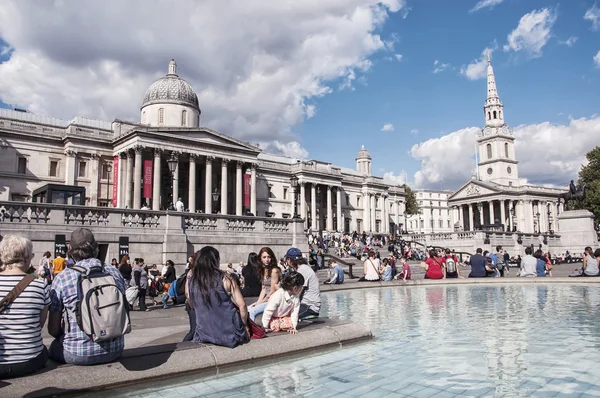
<point>246,190</point>
<point>147,179</point>
<point>60,245</point>
<point>115,186</point>
<point>123,246</point>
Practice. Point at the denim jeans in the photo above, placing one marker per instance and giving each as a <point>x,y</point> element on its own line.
<point>255,310</point>
<point>24,368</point>
<point>58,353</point>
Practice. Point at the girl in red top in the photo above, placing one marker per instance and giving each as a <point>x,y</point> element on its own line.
<point>434,268</point>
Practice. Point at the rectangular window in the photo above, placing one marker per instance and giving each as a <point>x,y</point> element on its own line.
<point>440,212</point>
<point>448,223</point>
<point>285,192</point>
<point>22,166</point>
<point>441,223</point>
<point>431,223</point>
<point>347,200</point>
<point>358,202</point>
<point>422,223</point>
<point>53,168</point>
<point>106,169</point>
<point>82,169</point>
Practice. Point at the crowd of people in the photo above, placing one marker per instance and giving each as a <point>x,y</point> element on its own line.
<point>86,304</point>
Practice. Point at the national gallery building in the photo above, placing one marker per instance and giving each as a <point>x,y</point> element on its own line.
<point>167,155</point>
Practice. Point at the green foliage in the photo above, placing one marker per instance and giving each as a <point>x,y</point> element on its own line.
<point>412,206</point>
<point>590,174</point>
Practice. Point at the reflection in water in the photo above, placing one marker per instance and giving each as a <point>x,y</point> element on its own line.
<point>466,340</point>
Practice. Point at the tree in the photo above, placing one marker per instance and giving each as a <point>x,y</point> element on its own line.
<point>412,206</point>
<point>590,175</point>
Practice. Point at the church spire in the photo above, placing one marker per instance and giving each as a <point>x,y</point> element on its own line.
<point>493,108</point>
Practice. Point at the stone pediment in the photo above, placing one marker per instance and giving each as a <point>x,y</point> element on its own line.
<point>473,189</point>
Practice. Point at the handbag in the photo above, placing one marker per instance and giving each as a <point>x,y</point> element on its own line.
<point>16,292</point>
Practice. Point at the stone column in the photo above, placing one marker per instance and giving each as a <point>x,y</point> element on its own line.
<point>366,213</point>
<point>293,200</point>
<point>208,188</point>
<point>192,183</point>
<point>137,178</point>
<point>480,209</point>
<point>373,207</point>
<point>511,205</point>
<point>313,206</point>
<point>239,190</point>
<point>253,168</point>
<point>340,226</point>
<point>224,163</point>
<point>503,213</point>
<point>95,171</point>
<point>176,179</point>
<point>156,180</point>
<point>492,215</point>
<point>329,210</point>
<point>129,180</point>
<point>303,202</point>
<point>70,167</point>
<point>555,216</point>
<point>384,214</point>
<point>397,210</point>
<point>120,183</point>
<point>521,224</point>
<point>471,218</point>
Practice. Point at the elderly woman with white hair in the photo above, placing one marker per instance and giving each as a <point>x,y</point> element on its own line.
<point>23,310</point>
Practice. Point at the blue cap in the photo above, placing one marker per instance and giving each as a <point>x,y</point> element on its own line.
<point>293,253</point>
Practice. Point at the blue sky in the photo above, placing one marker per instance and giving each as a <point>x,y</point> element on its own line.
<point>562,82</point>
<point>547,92</point>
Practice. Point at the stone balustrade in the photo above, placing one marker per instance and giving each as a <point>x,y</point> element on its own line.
<point>152,234</point>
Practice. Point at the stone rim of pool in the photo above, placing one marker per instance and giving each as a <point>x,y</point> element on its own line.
<point>180,360</point>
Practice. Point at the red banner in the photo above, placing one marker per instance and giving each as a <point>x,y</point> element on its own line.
<point>147,179</point>
<point>246,190</point>
<point>116,181</point>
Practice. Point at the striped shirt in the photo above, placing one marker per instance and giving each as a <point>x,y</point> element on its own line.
<point>20,331</point>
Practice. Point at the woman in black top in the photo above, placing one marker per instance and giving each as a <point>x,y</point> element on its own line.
<point>125,269</point>
<point>251,275</point>
<point>170,276</point>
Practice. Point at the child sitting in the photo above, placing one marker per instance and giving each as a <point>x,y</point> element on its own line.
<point>283,307</point>
<point>405,274</point>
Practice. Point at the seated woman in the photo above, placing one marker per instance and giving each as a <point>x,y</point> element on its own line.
<point>371,268</point>
<point>434,267</point>
<point>283,307</point>
<point>21,348</point>
<point>271,275</point>
<point>337,273</point>
<point>221,313</point>
<point>251,277</point>
<point>406,272</point>
<point>386,270</point>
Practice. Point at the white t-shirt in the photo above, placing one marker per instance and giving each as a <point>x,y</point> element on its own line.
<point>20,331</point>
<point>179,205</point>
<point>372,273</point>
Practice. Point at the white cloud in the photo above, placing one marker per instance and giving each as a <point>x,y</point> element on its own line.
<point>478,68</point>
<point>449,160</point>
<point>439,67</point>
<point>570,41</point>
<point>593,15</point>
<point>414,131</point>
<point>388,127</point>
<point>481,4</point>
<point>395,179</point>
<point>291,149</point>
<point>398,57</point>
<point>532,33</point>
<point>96,59</point>
<point>597,60</point>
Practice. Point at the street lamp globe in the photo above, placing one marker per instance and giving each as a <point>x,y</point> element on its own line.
<point>172,163</point>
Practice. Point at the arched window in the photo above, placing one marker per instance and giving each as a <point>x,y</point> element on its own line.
<point>161,115</point>
<point>184,118</point>
<point>506,150</point>
<point>494,114</point>
<point>500,114</point>
<point>489,151</point>
<point>488,116</point>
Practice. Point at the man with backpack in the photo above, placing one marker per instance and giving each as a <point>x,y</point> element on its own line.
<point>90,299</point>
<point>450,261</point>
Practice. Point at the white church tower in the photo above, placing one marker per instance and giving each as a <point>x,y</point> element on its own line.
<point>496,142</point>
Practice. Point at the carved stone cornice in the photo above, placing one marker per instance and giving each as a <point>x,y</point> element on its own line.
<point>94,156</point>
<point>71,153</point>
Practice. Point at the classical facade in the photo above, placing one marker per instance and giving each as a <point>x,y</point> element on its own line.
<point>167,156</point>
<point>495,198</point>
<point>434,214</point>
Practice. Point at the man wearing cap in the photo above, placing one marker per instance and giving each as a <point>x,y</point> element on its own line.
<point>310,303</point>
<point>71,345</point>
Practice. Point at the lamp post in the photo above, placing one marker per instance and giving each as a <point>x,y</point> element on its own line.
<point>432,218</point>
<point>172,163</point>
<point>538,222</point>
<point>548,212</point>
<point>405,222</point>
<point>294,182</point>
<point>215,197</point>
<point>108,171</point>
